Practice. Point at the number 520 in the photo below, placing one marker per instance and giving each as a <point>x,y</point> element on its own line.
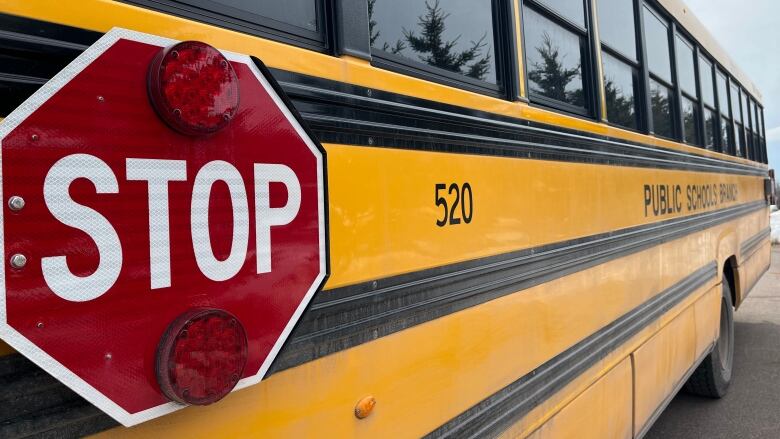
<point>458,196</point>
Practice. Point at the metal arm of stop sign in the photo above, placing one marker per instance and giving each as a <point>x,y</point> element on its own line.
<point>158,173</point>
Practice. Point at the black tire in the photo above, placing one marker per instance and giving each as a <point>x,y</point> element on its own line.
<point>713,376</point>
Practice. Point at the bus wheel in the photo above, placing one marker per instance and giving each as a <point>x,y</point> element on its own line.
<point>712,377</point>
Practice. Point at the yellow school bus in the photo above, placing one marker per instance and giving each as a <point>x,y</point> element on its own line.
<point>542,213</point>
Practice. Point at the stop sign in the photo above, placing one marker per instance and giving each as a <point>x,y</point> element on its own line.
<point>115,224</point>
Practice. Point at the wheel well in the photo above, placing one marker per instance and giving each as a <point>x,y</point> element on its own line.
<point>730,272</point>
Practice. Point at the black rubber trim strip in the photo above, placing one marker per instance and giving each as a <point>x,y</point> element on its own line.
<point>344,317</point>
<point>752,244</point>
<point>347,114</point>
<point>494,414</point>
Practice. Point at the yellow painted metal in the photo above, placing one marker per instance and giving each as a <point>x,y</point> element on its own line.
<point>707,318</point>
<point>660,364</point>
<point>553,405</point>
<point>751,269</point>
<point>603,411</point>
<point>423,376</point>
<point>383,212</point>
<point>102,15</point>
<point>5,349</point>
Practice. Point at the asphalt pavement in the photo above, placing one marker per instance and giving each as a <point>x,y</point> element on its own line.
<point>751,409</point>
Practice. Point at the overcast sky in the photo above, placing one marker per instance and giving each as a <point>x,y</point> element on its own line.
<point>749,30</point>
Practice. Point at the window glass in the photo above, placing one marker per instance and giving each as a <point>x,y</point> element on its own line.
<point>686,72</point>
<point>690,115</point>
<point>725,134</point>
<point>723,97</point>
<point>707,87</point>
<point>300,13</point>
<point>740,140</point>
<point>735,100</point>
<point>553,60</point>
<point>453,35</point>
<point>570,9</point>
<point>660,102</point>
<point>759,121</point>
<point>657,40</point>
<point>744,104</point>
<point>620,85</point>
<point>616,26</point>
<point>709,129</point>
<point>754,124</point>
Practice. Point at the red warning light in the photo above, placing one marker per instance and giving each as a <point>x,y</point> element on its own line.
<point>193,88</point>
<point>201,356</point>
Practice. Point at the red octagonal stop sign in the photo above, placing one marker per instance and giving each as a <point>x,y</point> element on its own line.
<point>127,224</point>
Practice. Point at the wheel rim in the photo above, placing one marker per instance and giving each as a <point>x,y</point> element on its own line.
<point>724,340</point>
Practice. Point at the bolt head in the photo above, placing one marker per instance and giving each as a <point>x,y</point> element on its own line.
<point>18,260</point>
<point>16,203</point>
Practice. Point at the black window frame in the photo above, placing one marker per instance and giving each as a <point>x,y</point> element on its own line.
<point>209,12</point>
<point>504,43</point>
<point>590,81</point>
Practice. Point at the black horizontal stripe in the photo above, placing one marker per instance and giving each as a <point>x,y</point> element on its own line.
<point>349,316</point>
<point>753,243</point>
<point>491,416</point>
<point>347,114</point>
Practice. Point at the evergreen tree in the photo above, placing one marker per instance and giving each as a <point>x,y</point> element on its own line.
<point>620,110</point>
<point>373,33</point>
<point>435,51</point>
<point>551,77</point>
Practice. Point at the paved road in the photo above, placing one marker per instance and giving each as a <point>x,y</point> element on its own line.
<point>752,407</point>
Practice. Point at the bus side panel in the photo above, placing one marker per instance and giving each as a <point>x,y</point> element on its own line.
<point>753,267</point>
<point>707,311</point>
<point>602,411</point>
<point>661,363</point>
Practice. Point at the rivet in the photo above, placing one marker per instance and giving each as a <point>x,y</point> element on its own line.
<point>370,140</point>
<point>39,325</point>
<point>174,54</point>
<point>223,63</point>
<point>177,112</point>
<point>34,137</point>
<point>364,407</point>
<point>373,285</point>
<point>18,260</point>
<point>108,356</point>
<point>101,99</point>
<point>369,92</point>
<point>16,203</point>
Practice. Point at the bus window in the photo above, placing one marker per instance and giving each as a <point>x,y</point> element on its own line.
<point>686,74</point>
<point>659,64</point>
<point>554,60</point>
<point>708,99</point>
<point>726,136</point>
<point>736,112</point>
<point>446,37</point>
<point>619,61</point>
